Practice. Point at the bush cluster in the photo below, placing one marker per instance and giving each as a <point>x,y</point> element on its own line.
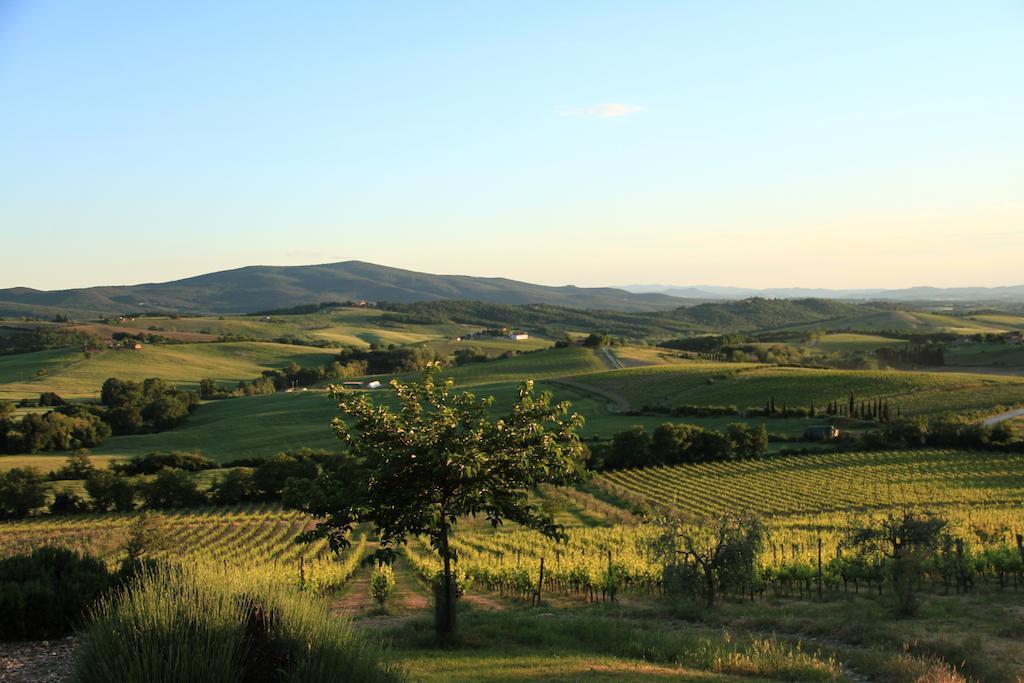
<point>46,594</point>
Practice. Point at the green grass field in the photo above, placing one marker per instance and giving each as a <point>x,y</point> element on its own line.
<point>357,327</point>
<point>539,365</point>
<point>748,385</point>
<point>909,321</point>
<point>985,355</point>
<point>47,462</point>
<point>73,375</point>
<point>264,425</point>
<point>847,341</point>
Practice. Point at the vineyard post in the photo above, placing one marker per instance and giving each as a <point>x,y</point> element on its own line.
<point>1020,546</point>
<point>611,577</point>
<point>960,573</point>
<point>302,571</point>
<point>540,580</point>
<point>819,567</point>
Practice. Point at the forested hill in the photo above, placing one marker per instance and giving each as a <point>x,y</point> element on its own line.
<point>258,288</point>
<point>762,314</point>
<point>749,315</point>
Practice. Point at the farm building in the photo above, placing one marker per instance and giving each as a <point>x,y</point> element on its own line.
<point>374,385</point>
<point>1014,337</point>
<point>352,385</point>
<point>821,433</point>
<point>518,336</point>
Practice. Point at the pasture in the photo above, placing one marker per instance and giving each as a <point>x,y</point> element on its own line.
<point>750,385</point>
<point>907,321</point>
<point>849,341</point>
<point>358,327</point>
<point>988,355</point>
<point>74,374</point>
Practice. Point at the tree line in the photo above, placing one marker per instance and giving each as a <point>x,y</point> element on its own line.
<point>155,481</point>
<point>125,407</point>
<point>676,444</point>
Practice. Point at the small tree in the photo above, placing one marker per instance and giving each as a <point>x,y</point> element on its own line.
<point>22,491</point>
<point>906,542</point>
<point>77,466</point>
<point>711,558</point>
<point>172,488</point>
<point>145,536</point>
<point>111,491</point>
<point>437,458</point>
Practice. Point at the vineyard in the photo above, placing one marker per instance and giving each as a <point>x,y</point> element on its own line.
<point>255,537</point>
<point>601,562</point>
<point>803,499</point>
<point>826,483</point>
<point>810,505</point>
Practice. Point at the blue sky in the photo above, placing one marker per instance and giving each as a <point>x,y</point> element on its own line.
<point>743,143</point>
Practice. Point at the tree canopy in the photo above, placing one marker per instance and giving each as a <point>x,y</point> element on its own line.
<point>439,456</point>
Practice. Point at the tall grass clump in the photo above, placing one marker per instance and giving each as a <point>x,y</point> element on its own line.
<point>182,623</point>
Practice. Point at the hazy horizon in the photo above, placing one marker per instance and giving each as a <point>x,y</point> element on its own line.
<point>628,285</point>
<point>777,145</point>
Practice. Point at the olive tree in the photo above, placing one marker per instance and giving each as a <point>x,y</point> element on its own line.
<point>435,458</point>
<point>711,557</point>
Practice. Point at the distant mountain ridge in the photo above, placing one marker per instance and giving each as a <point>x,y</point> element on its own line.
<point>953,294</point>
<point>259,288</point>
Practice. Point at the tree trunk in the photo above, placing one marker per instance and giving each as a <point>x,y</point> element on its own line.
<point>444,595</point>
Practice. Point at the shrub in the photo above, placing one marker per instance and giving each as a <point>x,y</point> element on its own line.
<point>78,466</point>
<point>67,503</point>
<point>111,491</point>
<point>22,491</point>
<point>47,593</point>
<point>200,623</point>
<point>271,476</point>
<point>382,583</point>
<point>151,463</point>
<point>172,488</point>
<point>236,486</point>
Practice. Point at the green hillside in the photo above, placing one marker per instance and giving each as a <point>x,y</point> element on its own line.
<point>358,327</point>
<point>537,365</point>
<point>906,321</point>
<point>747,385</point>
<point>849,341</point>
<point>263,288</point>
<point>73,374</point>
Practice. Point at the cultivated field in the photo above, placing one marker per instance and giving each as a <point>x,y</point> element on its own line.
<point>74,374</point>
<point>750,385</point>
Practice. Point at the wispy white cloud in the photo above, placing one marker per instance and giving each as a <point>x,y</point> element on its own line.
<point>605,110</point>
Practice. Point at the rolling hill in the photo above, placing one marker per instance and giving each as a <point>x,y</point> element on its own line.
<point>261,288</point>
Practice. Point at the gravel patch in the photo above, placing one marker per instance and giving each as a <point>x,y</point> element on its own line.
<point>37,661</point>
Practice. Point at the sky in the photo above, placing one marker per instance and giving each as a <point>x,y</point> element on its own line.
<point>755,144</point>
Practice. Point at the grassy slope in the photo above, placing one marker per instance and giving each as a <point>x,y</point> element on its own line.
<point>264,425</point>
<point>908,321</point>
<point>848,341</point>
<point>352,326</point>
<point>71,374</point>
<point>538,365</point>
<point>746,385</point>
<point>978,355</point>
<point>243,427</point>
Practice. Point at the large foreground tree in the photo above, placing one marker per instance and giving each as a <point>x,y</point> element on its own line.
<point>437,457</point>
